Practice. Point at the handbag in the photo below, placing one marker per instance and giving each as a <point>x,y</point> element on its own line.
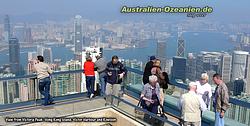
<point>139,113</point>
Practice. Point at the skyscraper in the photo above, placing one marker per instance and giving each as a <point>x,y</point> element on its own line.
<point>169,64</point>
<point>179,68</point>
<point>238,87</point>
<point>161,53</point>
<point>181,45</point>
<point>23,91</point>
<point>9,90</point>
<point>32,55</point>
<point>68,83</point>
<point>247,85</point>
<point>3,92</point>
<point>207,61</point>
<point>19,32</point>
<point>40,49</point>
<point>14,55</point>
<point>57,63</point>
<point>7,32</point>
<point>47,54</point>
<point>75,79</point>
<point>32,82</point>
<point>225,67</point>
<point>239,65</point>
<point>28,35</point>
<point>78,38</point>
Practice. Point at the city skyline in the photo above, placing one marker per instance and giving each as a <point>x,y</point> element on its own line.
<point>104,11</point>
<point>66,32</point>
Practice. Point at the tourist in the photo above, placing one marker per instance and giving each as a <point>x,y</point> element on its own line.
<point>191,106</point>
<point>147,69</point>
<point>115,73</point>
<point>101,65</point>
<point>204,89</point>
<point>43,75</point>
<point>150,95</point>
<point>220,100</point>
<point>89,71</point>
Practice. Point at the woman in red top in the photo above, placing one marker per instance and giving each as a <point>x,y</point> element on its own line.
<point>89,70</point>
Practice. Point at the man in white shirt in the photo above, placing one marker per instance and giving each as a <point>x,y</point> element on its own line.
<point>191,106</point>
<point>43,75</point>
<point>204,89</point>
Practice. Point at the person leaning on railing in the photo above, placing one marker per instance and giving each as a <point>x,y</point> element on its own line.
<point>43,74</point>
<point>100,66</point>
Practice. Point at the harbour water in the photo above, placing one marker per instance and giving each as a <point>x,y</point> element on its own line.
<point>194,42</point>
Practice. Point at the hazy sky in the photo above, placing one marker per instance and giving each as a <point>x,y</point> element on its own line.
<point>107,10</point>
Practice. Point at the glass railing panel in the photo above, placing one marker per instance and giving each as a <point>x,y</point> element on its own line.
<point>26,88</point>
<point>17,90</point>
<point>64,84</point>
<point>141,115</point>
<point>238,111</point>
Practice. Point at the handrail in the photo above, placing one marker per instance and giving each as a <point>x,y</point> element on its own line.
<point>185,86</point>
<point>145,111</point>
<point>180,85</point>
<point>127,92</point>
<point>34,75</point>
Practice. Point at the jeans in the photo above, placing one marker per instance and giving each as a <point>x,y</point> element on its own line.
<point>44,88</point>
<point>90,82</point>
<point>102,82</point>
<point>218,120</point>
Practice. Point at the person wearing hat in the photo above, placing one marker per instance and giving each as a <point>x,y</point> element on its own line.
<point>100,65</point>
<point>147,69</point>
<point>191,106</point>
<point>89,70</point>
<point>204,89</point>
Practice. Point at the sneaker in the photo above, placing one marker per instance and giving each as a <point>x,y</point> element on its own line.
<point>91,96</point>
